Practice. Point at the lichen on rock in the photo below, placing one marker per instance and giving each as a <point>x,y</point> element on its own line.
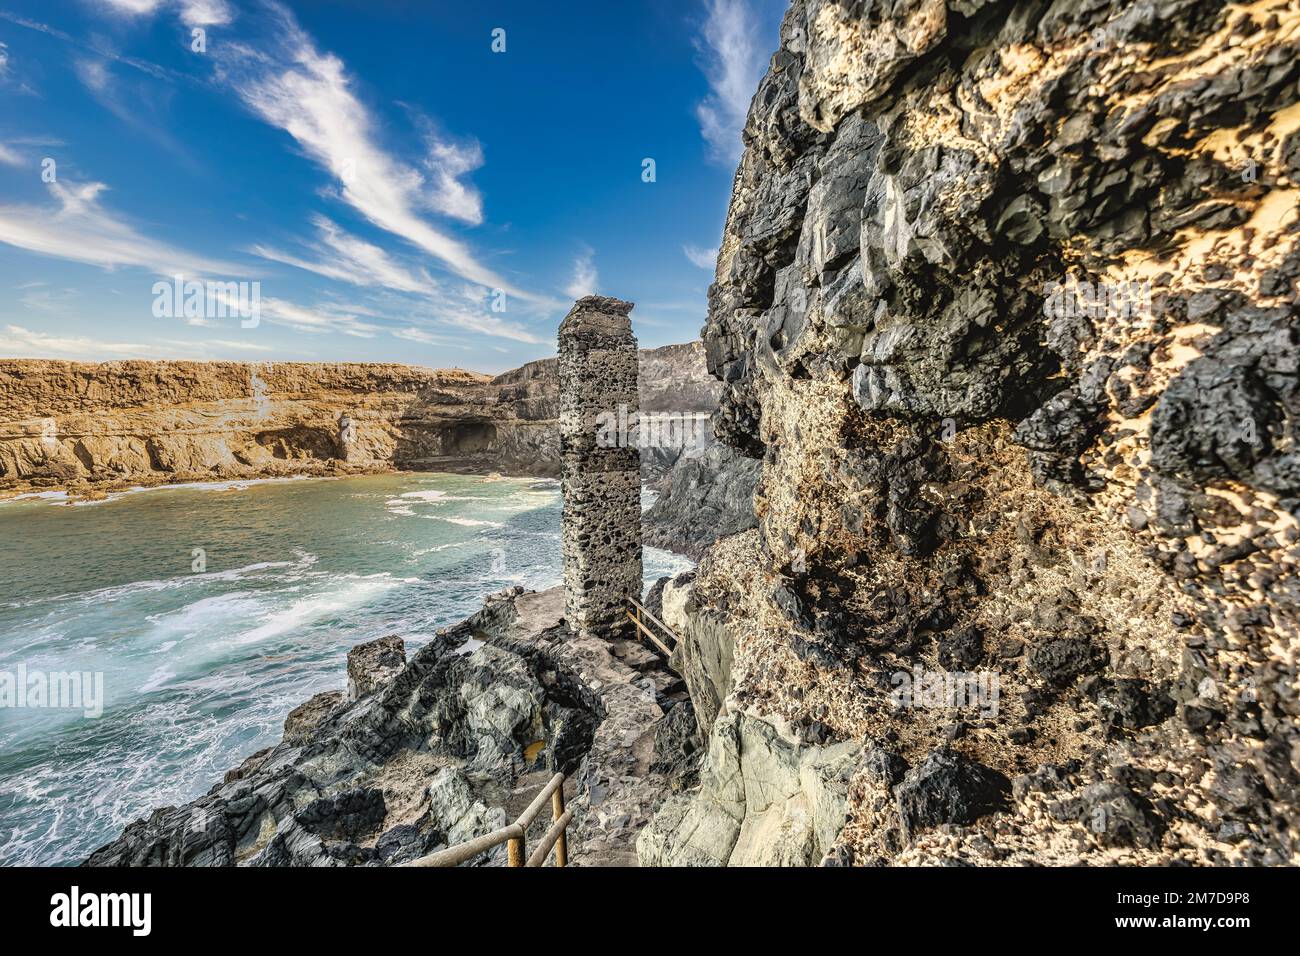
<point>1006,307</point>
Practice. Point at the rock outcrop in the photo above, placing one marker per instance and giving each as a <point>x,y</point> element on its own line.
<point>708,494</point>
<point>1006,307</point>
<point>446,747</point>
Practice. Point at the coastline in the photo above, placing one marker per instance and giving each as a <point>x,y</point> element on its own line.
<point>86,490</point>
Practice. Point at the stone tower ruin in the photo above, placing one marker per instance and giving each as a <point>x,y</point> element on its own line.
<point>601,465</point>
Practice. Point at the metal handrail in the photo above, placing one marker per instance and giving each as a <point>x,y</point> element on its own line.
<point>514,834</point>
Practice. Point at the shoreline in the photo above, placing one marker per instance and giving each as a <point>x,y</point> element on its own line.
<point>84,490</point>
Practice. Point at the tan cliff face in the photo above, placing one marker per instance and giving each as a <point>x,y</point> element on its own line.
<point>88,425</point>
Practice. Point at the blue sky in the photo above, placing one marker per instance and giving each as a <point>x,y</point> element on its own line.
<point>401,191</point>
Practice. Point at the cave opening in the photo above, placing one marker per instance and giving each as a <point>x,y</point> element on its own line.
<point>469,438</point>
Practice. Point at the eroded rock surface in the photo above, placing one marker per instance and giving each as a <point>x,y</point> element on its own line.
<point>1006,306</point>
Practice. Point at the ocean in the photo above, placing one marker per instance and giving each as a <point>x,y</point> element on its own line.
<point>211,611</point>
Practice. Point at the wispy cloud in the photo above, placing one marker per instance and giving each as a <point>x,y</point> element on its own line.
<point>703,258</point>
<point>9,157</point>
<point>488,324</point>
<point>134,8</point>
<point>94,75</point>
<point>310,96</point>
<point>204,13</point>
<point>318,319</point>
<point>144,66</point>
<point>38,296</point>
<point>19,342</point>
<point>733,56</point>
<point>347,258</point>
<point>79,228</point>
<point>584,276</point>
<point>138,102</point>
<point>412,334</point>
<point>465,309</point>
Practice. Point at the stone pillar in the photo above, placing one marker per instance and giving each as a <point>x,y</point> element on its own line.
<point>601,466</point>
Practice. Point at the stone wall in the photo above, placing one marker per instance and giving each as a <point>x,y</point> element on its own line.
<point>601,480</point>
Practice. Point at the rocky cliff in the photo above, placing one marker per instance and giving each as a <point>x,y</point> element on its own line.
<point>1006,307</point>
<point>423,754</point>
<point>87,426</point>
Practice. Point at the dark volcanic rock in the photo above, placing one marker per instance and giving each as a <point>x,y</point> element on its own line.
<point>1061,659</point>
<point>1114,815</point>
<point>426,758</point>
<point>1006,306</point>
<point>948,788</point>
<point>706,496</point>
<point>1132,704</point>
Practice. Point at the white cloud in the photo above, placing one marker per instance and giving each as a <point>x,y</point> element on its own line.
<point>239,346</point>
<point>412,334</point>
<point>77,227</point>
<point>133,8</point>
<point>348,259</point>
<point>703,258</point>
<point>193,13</point>
<point>38,296</point>
<point>309,95</point>
<point>134,101</point>
<point>489,324</point>
<point>584,276</point>
<point>93,75</point>
<point>466,309</point>
<point>316,319</point>
<point>9,157</point>
<point>205,13</point>
<point>19,342</point>
<point>4,58</point>
<point>143,66</point>
<point>734,59</point>
<point>446,163</point>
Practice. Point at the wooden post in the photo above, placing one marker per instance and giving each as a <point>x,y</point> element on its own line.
<point>562,843</point>
<point>515,848</point>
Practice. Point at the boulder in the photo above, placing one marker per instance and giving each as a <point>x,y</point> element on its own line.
<point>373,664</point>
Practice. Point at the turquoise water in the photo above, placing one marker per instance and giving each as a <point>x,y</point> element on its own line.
<point>201,667</point>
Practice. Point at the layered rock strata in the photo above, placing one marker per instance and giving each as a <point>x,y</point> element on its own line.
<point>1006,307</point>
<point>84,425</point>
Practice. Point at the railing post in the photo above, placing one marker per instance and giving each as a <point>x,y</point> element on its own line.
<point>515,849</point>
<point>562,843</point>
